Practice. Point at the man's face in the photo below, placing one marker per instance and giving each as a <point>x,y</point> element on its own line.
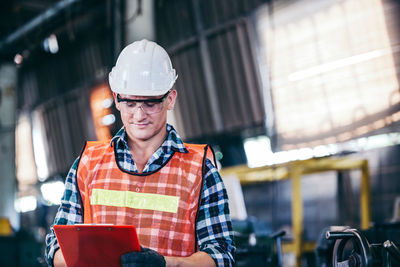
<point>141,124</point>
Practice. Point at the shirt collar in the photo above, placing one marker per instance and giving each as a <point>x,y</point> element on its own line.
<point>172,142</point>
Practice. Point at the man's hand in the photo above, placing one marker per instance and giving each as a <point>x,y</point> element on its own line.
<point>145,258</point>
<point>195,260</point>
<point>59,260</point>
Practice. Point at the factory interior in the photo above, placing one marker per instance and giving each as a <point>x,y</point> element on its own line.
<point>299,100</point>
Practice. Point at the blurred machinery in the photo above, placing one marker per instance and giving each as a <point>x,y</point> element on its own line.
<point>294,171</point>
<point>256,245</point>
<point>19,249</point>
<point>377,246</point>
<point>5,227</point>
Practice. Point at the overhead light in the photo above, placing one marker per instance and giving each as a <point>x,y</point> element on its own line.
<point>39,147</point>
<point>25,204</point>
<point>258,151</point>
<point>107,103</point>
<point>50,44</point>
<point>52,192</point>
<point>108,119</point>
<point>330,66</point>
<point>18,59</point>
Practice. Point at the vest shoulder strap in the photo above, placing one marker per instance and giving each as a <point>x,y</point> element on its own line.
<point>95,143</point>
<point>98,146</point>
<point>201,149</point>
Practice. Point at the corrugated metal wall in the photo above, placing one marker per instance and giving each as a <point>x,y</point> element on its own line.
<point>55,75</point>
<point>57,90</point>
<point>238,87</point>
<point>212,48</point>
<point>68,123</point>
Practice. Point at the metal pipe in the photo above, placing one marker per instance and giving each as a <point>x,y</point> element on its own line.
<point>35,22</point>
<point>338,235</point>
<point>392,249</point>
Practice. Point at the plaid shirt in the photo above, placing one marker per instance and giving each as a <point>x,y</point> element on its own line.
<point>213,228</point>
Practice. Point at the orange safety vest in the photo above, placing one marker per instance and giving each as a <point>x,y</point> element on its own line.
<point>162,205</point>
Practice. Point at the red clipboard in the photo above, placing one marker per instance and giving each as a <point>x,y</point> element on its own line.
<point>86,245</point>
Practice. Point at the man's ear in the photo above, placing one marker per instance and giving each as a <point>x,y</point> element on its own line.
<point>171,98</point>
<point>115,101</point>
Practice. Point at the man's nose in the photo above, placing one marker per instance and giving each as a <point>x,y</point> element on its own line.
<point>138,112</point>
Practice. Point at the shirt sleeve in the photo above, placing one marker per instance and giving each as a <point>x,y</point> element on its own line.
<point>214,227</point>
<point>69,212</point>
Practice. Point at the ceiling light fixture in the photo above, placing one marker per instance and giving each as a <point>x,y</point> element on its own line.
<point>50,44</point>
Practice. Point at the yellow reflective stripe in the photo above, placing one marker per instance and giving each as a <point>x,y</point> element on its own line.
<point>134,200</point>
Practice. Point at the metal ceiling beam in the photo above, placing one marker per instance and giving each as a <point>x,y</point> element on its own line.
<point>35,23</point>
<point>36,6</point>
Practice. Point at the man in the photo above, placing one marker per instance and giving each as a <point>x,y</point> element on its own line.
<point>192,227</point>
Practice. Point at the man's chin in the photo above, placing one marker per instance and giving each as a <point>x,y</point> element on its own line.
<point>140,133</point>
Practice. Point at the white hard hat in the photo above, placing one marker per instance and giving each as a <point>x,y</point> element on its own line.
<point>143,68</point>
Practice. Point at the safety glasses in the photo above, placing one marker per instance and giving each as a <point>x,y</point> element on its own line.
<point>149,106</point>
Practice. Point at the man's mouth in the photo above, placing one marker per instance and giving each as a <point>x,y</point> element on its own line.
<point>140,124</point>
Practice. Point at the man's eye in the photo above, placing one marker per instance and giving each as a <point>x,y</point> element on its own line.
<point>130,104</point>
<point>149,104</point>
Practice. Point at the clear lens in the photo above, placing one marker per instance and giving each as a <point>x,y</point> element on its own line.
<point>147,107</point>
<point>151,107</point>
